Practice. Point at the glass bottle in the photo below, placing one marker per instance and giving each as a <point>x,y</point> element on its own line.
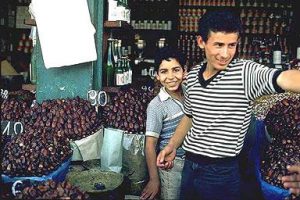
<point>295,64</point>
<point>119,77</point>
<point>125,71</point>
<point>109,66</point>
<point>129,71</point>
<point>277,53</point>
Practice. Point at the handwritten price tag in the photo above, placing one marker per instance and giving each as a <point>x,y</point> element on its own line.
<point>4,94</point>
<point>97,97</point>
<point>11,128</point>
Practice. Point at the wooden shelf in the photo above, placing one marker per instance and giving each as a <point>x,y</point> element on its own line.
<point>29,87</point>
<point>117,24</point>
<point>30,22</point>
<point>111,89</point>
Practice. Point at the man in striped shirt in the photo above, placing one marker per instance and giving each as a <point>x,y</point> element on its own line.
<point>218,105</point>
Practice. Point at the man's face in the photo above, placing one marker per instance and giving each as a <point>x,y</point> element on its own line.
<point>219,48</point>
<point>170,74</point>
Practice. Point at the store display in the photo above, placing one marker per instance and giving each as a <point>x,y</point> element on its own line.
<point>152,20</point>
<point>49,127</point>
<point>72,119</point>
<point>52,190</point>
<point>263,104</point>
<point>34,153</point>
<point>283,125</point>
<point>126,111</point>
<point>261,21</point>
<point>14,109</point>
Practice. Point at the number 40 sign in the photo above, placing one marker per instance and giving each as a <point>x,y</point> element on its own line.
<point>11,128</point>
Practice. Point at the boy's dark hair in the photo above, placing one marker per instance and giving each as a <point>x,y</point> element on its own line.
<point>219,21</point>
<point>166,53</point>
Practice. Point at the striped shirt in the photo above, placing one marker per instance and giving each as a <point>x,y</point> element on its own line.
<point>221,107</point>
<point>163,115</point>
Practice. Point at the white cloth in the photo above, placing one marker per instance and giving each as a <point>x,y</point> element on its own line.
<point>65,31</point>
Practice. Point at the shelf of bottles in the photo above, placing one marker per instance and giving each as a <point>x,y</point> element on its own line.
<point>152,21</point>
<point>14,40</point>
<point>207,3</point>
<point>188,45</point>
<point>117,68</point>
<point>151,15</point>
<point>261,19</point>
<point>118,10</point>
<point>189,13</point>
<point>261,49</point>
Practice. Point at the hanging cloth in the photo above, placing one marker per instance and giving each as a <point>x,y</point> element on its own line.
<point>65,31</point>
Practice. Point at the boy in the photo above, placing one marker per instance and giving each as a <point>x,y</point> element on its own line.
<point>163,114</point>
<point>218,105</point>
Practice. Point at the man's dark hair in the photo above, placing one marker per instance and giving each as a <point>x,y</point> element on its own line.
<point>166,53</point>
<point>219,21</point>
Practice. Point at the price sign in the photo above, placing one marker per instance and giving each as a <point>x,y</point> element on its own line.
<point>4,94</point>
<point>102,98</point>
<point>92,97</point>
<point>97,97</point>
<point>11,128</point>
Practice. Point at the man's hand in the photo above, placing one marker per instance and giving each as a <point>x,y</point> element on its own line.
<point>293,181</point>
<point>151,190</point>
<point>166,157</point>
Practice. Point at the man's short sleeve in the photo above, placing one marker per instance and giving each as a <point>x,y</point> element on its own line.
<point>259,80</point>
<point>187,105</point>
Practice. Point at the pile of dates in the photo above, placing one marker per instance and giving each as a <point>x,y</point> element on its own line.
<point>23,95</point>
<point>14,106</point>
<point>52,190</point>
<point>283,125</point>
<point>127,110</point>
<point>13,109</point>
<point>72,118</point>
<point>35,153</point>
<point>49,127</point>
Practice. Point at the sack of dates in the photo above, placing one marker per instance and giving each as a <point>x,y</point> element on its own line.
<point>283,126</point>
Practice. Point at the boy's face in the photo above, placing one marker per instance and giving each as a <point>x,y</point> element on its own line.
<point>219,49</point>
<point>170,74</point>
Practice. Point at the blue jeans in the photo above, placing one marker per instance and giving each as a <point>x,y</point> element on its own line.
<point>210,180</point>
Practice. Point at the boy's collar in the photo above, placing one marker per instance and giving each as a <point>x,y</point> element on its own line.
<point>163,94</point>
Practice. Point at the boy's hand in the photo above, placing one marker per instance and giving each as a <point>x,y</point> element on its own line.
<point>151,190</point>
<point>166,157</point>
<point>293,181</point>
